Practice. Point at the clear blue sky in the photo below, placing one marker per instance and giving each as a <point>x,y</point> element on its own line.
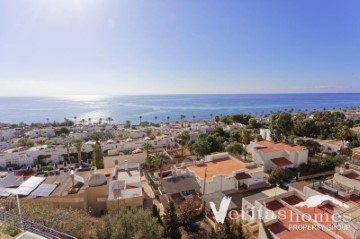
<point>178,46</point>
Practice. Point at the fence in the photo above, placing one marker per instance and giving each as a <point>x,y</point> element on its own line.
<point>33,227</point>
<point>316,175</point>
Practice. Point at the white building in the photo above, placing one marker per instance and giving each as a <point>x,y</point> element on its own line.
<point>35,133</point>
<point>222,172</point>
<point>7,134</point>
<point>272,155</point>
<point>265,134</point>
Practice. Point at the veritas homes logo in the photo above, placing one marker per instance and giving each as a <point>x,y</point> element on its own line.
<point>221,213</point>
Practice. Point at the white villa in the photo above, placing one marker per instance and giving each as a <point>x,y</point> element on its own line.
<point>272,155</point>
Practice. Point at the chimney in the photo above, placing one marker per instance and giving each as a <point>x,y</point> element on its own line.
<point>126,165</point>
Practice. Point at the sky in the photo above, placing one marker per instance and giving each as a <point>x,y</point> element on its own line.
<point>120,47</point>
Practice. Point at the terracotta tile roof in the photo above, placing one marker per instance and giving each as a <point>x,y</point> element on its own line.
<point>356,156</point>
<point>269,146</point>
<point>280,162</point>
<point>224,167</point>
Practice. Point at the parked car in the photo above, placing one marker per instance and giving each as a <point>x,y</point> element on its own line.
<point>186,195</point>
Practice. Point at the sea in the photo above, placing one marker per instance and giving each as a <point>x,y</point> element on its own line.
<point>122,108</point>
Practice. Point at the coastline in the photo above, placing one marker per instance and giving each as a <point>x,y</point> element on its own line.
<point>122,108</point>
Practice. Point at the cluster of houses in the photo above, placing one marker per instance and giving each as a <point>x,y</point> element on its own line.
<point>123,183</point>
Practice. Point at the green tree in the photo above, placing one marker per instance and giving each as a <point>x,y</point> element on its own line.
<point>281,126</point>
<point>127,124</point>
<point>61,131</point>
<point>130,223</point>
<point>148,148</point>
<point>98,158</point>
<point>171,222</point>
<point>68,146</point>
<point>229,230</point>
<point>78,143</point>
<point>217,120</point>
<point>183,139</point>
<point>304,126</point>
<point>234,148</point>
<point>246,136</point>
<point>254,123</point>
<point>188,210</point>
<point>200,148</point>
<point>156,214</point>
<point>109,119</point>
<point>344,133</point>
<point>276,176</point>
<point>75,222</point>
<point>241,118</point>
<point>235,135</point>
<point>159,160</point>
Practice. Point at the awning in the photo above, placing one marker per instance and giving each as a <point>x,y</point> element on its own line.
<point>179,184</point>
<point>216,198</point>
<point>242,176</point>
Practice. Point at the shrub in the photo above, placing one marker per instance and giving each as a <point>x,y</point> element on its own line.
<point>11,229</point>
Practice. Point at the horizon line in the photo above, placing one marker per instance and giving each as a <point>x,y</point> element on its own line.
<point>178,94</point>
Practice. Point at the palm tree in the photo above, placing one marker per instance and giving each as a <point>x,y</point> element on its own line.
<point>211,116</point>
<point>148,148</point>
<point>140,117</point>
<point>94,147</point>
<point>183,139</point>
<point>100,121</point>
<point>68,146</point>
<point>78,145</point>
<point>155,118</point>
<point>109,119</point>
<point>194,118</point>
<point>182,117</point>
<point>246,136</point>
<point>168,119</point>
<point>47,120</point>
<point>89,119</point>
<point>75,119</point>
<point>159,160</point>
<point>344,133</point>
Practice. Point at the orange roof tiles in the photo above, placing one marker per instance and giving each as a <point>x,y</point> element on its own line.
<point>280,162</point>
<point>356,156</point>
<point>269,146</point>
<point>224,167</point>
<point>322,214</point>
<point>284,228</point>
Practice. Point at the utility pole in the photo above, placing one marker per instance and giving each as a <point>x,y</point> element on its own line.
<point>204,191</point>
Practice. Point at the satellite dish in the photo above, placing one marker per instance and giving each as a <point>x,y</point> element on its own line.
<point>97,179</point>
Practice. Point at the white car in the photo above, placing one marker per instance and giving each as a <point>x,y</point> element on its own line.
<point>136,151</point>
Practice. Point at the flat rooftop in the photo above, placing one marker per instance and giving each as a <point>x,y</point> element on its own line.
<point>225,166</point>
<point>132,175</point>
